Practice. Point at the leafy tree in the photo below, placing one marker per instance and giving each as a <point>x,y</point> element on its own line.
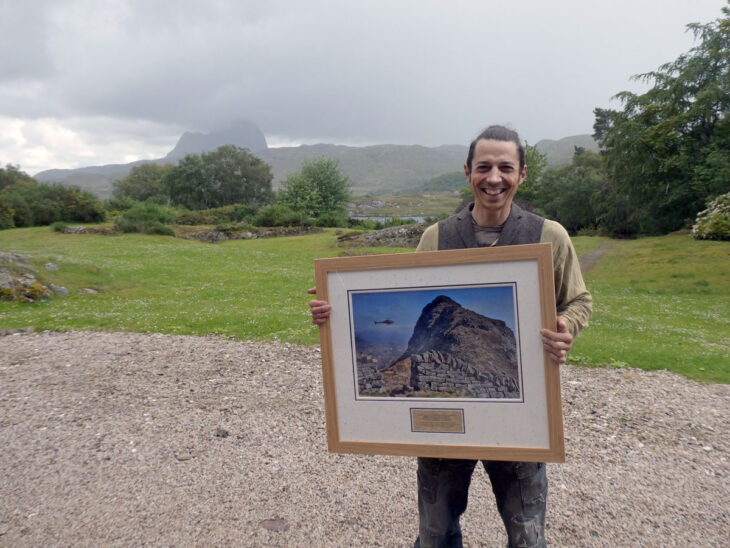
<point>11,174</point>
<point>145,182</point>
<point>667,149</point>
<point>568,193</point>
<point>228,175</point>
<point>320,187</point>
<point>536,162</point>
<point>7,213</point>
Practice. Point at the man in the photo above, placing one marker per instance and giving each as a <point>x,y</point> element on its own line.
<point>495,168</point>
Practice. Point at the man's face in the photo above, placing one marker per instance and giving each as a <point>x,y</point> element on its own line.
<point>494,177</point>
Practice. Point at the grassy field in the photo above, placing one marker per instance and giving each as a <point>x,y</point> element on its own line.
<point>660,303</point>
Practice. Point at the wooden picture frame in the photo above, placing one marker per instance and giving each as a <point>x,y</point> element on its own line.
<point>473,380</point>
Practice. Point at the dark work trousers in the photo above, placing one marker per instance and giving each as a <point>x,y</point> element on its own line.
<point>443,489</point>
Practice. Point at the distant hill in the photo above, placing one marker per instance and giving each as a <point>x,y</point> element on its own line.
<point>377,169</point>
<point>560,152</point>
<point>100,179</point>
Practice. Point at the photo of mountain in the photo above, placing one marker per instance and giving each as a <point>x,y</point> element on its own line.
<point>446,342</point>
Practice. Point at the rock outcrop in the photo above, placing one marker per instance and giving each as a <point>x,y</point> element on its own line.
<point>394,236</point>
<point>18,281</point>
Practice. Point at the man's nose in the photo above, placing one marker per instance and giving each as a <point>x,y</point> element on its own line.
<point>493,175</point>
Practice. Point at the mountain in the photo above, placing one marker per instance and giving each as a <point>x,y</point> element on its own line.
<point>242,133</point>
<point>560,152</point>
<point>377,170</point>
<point>100,179</point>
<point>453,352</point>
<point>486,344</point>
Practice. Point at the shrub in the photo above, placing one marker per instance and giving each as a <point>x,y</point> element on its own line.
<point>59,226</point>
<point>145,218</point>
<point>332,218</point>
<point>194,218</point>
<point>119,204</point>
<point>231,229</point>
<point>280,215</point>
<point>234,213</point>
<point>714,222</point>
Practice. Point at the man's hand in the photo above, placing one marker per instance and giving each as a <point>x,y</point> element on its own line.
<point>557,343</point>
<point>320,309</point>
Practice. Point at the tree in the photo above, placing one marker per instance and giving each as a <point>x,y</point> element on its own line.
<point>144,182</point>
<point>536,162</point>
<point>667,149</point>
<point>568,193</point>
<point>11,174</point>
<point>228,175</point>
<point>320,187</point>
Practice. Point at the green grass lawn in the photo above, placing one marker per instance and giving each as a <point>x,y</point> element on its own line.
<point>252,289</point>
<point>660,303</point>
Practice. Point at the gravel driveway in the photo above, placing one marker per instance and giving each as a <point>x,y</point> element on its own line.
<point>122,439</point>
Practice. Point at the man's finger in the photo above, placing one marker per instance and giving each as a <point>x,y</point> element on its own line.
<point>562,325</point>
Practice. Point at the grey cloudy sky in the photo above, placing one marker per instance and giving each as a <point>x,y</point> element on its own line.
<point>86,82</point>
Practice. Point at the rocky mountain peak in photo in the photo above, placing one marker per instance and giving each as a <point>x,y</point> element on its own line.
<point>486,344</point>
<point>241,133</point>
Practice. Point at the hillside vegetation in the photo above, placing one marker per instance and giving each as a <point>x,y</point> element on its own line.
<point>659,302</point>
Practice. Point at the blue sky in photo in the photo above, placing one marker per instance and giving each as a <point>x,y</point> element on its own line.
<point>404,307</point>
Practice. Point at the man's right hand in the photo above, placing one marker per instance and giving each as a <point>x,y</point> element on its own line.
<point>320,309</point>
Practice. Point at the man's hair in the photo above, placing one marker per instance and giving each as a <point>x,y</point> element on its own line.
<point>498,133</point>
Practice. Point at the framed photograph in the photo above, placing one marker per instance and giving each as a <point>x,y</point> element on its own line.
<point>438,354</point>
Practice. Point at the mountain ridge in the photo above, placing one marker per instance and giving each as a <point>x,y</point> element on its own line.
<point>374,169</point>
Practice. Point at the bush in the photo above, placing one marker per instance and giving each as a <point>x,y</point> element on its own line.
<point>34,204</point>
<point>714,222</point>
<point>235,213</point>
<point>332,218</point>
<point>280,215</point>
<point>145,218</point>
<point>59,226</point>
<point>117,205</point>
<point>232,229</point>
<point>194,218</point>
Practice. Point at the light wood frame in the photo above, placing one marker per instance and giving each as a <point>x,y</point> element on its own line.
<point>529,430</point>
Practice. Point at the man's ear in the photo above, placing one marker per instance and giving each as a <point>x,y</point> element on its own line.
<point>523,175</point>
<point>466,172</point>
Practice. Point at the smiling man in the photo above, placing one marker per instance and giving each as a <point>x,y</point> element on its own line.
<point>495,168</point>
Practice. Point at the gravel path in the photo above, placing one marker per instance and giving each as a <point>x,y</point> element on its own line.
<point>116,439</point>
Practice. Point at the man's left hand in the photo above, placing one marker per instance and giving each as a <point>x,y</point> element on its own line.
<point>558,343</point>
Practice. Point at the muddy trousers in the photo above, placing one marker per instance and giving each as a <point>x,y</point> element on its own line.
<point>520,489</point>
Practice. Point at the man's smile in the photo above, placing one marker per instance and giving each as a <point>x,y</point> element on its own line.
<point>493,191</point>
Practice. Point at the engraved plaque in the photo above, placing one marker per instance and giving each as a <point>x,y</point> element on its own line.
<point>437,420</point>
